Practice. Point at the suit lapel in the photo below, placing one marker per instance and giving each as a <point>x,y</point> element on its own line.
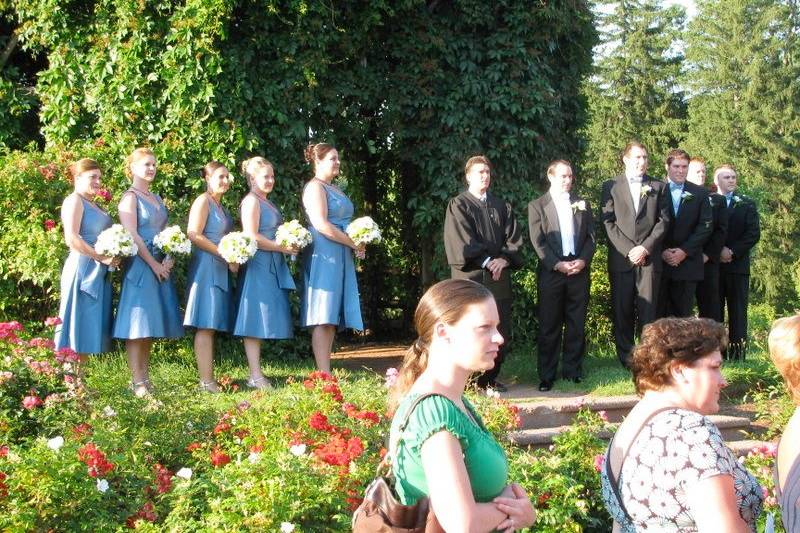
<point>550,212</point>
<point>623,188</point>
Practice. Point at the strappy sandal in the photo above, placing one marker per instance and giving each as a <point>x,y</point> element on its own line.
<point>261,383</point>
<point>209,386</point>
<point>141,388</point>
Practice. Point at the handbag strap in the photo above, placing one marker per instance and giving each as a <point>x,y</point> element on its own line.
<point>402,427</point>
<point>614,482</point>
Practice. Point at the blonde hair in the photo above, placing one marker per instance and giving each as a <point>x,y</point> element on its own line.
<point>784,350</point>
<point>80,166</point>
<point>251,164</point>
<point>446,302</point>
<point>477,160</point>
<point>726,166</point>
<point>136,155</point>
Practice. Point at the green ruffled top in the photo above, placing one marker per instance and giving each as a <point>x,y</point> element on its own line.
<point>485,460</point>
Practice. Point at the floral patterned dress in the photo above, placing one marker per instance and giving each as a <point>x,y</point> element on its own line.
<point>675,449</point>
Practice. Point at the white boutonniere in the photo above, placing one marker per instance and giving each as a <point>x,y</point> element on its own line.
<point>736,200</point>
<point>580,205</point>
<point>645,190</point>
<point>686,196</point>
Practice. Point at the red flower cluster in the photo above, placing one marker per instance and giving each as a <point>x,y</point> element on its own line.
<point>354,499</point>
<point>41,367</point>
<point>82,430</point>
<point>370,418</point>
<point>319,422</point>
<point>49,224</point>
<point>193,446</point>
<point>39,342</point>
<point>8,331</point>
<point>67,355</point>
<point>514,410</point>
<point>3,451</point>
<point>3,486</point>
<point>219,457</point>
<point>330,385</point>
<point>226,383</point>
<point>104,195</point>
<point>48,172</point>
<point>31,401</point>
<point>52,321</point>
<point>340,451</point>
<point>147,512</point>
<point>221,427</point>
<point>541,501</point>
<point>163,478</point>
<point>95,460</point>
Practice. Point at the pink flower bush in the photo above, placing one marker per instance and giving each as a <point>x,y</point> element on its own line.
<point>52,321</point>
<point>599,461</point>
<point>104,195</point>
<point>31,402</point>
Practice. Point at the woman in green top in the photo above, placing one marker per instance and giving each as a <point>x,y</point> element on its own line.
<point>446,452</point>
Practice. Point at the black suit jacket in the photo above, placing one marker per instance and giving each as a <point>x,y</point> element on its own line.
<point>474,231</point>
<point>626,229</point>
<point>744,232</point>
<point>689,230</point>
<point>719,231</point>
<point>545,231</point>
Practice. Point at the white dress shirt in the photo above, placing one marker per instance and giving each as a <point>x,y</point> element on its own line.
<point>565,222</point>
<point>635,183</point>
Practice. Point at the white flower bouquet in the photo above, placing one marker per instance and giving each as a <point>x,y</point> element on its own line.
<point>116,242</point>
<point>172,241</point>
<point>236,247</point>
<point>292,234</point>
<point>364,230</point>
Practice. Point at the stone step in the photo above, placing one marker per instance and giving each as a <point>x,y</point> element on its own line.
<point>733,428</point>
<point>558,412</point>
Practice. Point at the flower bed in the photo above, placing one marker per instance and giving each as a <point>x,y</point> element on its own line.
<point>293,459</point>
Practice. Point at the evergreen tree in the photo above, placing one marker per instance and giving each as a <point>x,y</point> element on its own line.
<point>745,110</point>
<point>635,92</point>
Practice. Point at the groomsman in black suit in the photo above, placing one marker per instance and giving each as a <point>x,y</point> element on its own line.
<point>562,233</point>
<point>636,214</point>
<point>734,269</point>
<point>482,240</point>
<point>707,291</point>
<point>687,233</point>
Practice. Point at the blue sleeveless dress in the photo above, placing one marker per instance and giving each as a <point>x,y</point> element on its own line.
<point>209,304</point>
<point>85,309</point>
<point>330,291</point>
<point>147,307</point>
<point>264,285</point>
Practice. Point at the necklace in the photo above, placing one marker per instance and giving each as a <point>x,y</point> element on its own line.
<point>145,193</point>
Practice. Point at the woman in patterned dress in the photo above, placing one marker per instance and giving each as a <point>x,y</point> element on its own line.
<point>85,309</point>
<point>209,301</point>
<point>668,468</point>
<point>148,303</point>
<point>330,292</point>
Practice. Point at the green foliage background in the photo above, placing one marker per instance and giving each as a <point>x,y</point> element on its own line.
<point>407,90</point>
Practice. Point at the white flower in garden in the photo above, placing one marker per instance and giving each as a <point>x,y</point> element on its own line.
<point>491,393</point>
<point>253,457</point>
<point>184,473</point>
<point>298,449</point>
<point>55,443</point>
<point>102,485</point>
<point>109,412</point>
<point>287,527</point>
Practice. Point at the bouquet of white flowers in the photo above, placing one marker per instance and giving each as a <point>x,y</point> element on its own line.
<point>364,230</point>
<point>172,241</point>
<point>292,234</point>
<point>116,242</point>
<point>236,247</point>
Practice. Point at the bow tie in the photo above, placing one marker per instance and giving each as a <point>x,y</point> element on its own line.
<point>675,187</point>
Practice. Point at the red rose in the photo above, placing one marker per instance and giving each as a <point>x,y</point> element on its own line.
<point>49,224</point>
<point>219,458</point>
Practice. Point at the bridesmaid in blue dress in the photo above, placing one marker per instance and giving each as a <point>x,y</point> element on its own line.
<point>209,304</point>
<point>85,309</point>
<point>265,280</point>
<point>148,304</point>
<point>330,292</point>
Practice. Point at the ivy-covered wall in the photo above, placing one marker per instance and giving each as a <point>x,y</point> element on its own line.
<point>407,89</point>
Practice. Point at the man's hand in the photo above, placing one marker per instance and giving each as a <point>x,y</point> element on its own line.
<point>726,256</point>
<point>638,255</point>
<point>575,266</point>
<point>496,266</point>
<point>705,259</point>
